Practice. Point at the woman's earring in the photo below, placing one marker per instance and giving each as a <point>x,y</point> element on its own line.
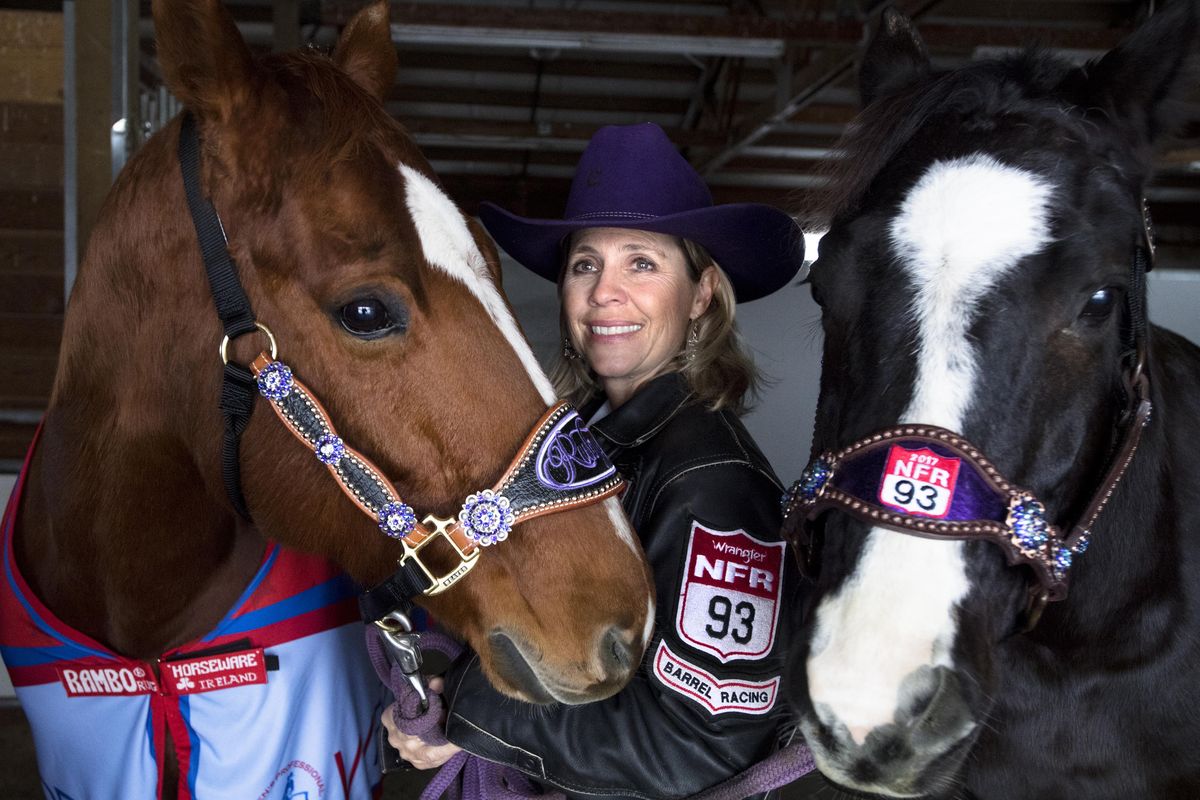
<point>693,340</point>
<point>568,350</point>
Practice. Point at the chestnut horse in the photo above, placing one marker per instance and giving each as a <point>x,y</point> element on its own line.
<point>984,414</point>
<point>386,299</point>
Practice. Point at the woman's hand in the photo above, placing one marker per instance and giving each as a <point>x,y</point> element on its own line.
<point>411,748</point>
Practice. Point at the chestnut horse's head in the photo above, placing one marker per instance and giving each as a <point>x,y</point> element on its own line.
<point>983,273</point>
<point>386,301</point>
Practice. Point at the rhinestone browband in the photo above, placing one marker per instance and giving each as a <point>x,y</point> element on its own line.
<point>559,466</point>
<point>967,498</point>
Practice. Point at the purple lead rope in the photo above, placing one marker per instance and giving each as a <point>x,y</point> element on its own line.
<point>468,777</point>
<point>778,769</point>
<point>464,776</point>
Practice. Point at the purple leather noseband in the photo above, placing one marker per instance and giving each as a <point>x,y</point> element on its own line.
<point>930,482</point>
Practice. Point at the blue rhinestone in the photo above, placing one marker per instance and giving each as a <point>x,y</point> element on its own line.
<point>330,449</point>
<point>812,480</point>
<point>1062,560</point>
<point>486,517</point>
<point>397,520</point>
<point>275,381</point>
<point>1081,545</point>
<point>1028,523</point>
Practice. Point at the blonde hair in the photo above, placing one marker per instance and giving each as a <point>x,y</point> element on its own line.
<point>717,367</point>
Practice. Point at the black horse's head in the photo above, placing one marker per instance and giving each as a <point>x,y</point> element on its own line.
<point>976,276</point>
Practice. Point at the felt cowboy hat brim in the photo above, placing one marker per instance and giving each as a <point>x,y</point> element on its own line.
<point>631,176</point>
<point>759,247</point>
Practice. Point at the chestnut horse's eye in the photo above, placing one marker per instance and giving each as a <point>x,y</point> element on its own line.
<point>368,318</point>
<point>1099,305</point>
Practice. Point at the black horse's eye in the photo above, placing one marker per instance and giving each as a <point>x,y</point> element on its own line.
<point>1099,305</point>
<point>367,317</point>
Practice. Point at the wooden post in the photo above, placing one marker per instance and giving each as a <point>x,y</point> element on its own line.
<point>31,220</point>
<point>102,120</point>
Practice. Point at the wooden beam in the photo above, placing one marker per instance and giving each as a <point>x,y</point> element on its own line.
<point>32,210</point>
<point>790,30</point>
<point>106,56</point>
<point>31,57</point>
<point>31,252</point>
<point>14,441</point>
<point>828,67</point>
<point>32,123</point>
<point>92,127</point>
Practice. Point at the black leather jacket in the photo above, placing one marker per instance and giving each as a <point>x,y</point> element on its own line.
<point>724,603</point>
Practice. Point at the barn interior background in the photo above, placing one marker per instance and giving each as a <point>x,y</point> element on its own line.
<point>502,95</point>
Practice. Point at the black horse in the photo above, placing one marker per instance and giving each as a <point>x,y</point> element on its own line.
<point>987,374</point>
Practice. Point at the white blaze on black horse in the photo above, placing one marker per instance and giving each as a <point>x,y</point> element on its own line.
<point>979,275</point>
<point>959,231</point>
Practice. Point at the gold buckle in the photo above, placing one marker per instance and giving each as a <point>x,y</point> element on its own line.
<point>467,559</point>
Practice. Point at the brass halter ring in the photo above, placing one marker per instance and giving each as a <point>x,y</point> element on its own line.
<point>224,349</point>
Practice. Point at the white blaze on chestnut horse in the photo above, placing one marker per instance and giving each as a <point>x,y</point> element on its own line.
<point>137,597</point>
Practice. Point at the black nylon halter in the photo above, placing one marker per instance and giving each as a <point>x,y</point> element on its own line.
<point>238,388</point>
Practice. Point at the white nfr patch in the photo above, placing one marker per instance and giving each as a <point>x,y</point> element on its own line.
<point>714,695</point>
<point>919,481</point>
<point>729,602</point>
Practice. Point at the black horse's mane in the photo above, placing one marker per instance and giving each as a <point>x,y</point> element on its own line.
<point>1030,83</point>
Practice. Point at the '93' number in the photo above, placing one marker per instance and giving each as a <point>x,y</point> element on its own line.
<point>908,494</point>
<point>722,612</point>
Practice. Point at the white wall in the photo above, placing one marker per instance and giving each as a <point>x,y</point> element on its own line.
<point>1175,301</point>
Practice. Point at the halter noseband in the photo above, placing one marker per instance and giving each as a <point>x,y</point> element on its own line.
<point>559,466</point>
<point>930,482</point>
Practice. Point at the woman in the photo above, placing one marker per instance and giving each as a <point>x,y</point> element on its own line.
<point>651,356</point>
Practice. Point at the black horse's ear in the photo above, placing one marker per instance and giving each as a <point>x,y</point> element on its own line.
<point>895,57</point>
<point>1142,84</point>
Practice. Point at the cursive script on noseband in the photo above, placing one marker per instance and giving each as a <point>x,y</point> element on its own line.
<point>570,457</point>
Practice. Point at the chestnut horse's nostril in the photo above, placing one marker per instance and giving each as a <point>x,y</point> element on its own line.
<point>511,664</point>
<point>616,654</point>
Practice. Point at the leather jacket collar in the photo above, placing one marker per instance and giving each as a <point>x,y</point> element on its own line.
<point>644,414</point>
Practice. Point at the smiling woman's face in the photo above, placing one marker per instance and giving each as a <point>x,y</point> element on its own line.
<point>628,300</point>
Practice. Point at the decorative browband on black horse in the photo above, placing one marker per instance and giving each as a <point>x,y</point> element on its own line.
<point>930,482</point>
<point>559,466</point>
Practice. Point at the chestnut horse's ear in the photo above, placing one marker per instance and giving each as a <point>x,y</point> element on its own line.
<point>204,61</point>
<point>365,51</point>
<point>1143,82</point>
<point>895,57</point>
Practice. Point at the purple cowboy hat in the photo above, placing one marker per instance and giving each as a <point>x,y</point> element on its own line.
<point>631,176</point>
